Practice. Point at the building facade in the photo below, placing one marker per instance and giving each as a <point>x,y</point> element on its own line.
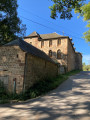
<point>59,48</point>
<point>22,65</point>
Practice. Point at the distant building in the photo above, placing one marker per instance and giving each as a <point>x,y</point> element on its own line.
<point>59,48</point>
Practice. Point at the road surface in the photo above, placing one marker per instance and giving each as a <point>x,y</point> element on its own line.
<point>70,101</point>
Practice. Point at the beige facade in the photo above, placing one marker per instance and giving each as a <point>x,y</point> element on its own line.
<point>54,47</point>
<point>53,43</point>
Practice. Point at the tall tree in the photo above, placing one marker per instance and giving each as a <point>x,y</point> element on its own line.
<point>65,7</point>
<point>86,14</point>
<point>10,24</point>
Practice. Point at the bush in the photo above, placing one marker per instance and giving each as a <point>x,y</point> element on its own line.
<point>3,93</point>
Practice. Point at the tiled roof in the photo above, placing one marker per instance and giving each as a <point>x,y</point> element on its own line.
<point>49,36</point>
<point>30,49</point>
<point>45,36</point>
<point>33,34</point>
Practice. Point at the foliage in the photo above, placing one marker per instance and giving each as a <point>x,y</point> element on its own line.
<point>3,93</point>
<point>10,24</point>
<point>40,88</point>
<point>64,8</point>
<point>86,67</point>
<point>86,14</point>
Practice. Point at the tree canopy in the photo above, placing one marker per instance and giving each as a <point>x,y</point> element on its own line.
<point>10,24</point>
<point>86,14</point>
<point>65,7</point>
<point>86,67</point>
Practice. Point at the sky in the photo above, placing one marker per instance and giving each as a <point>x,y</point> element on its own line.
<point>36,15</point>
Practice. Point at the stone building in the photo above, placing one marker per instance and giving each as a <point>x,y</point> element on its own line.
<point>22,65</point>
<point>59,48</point>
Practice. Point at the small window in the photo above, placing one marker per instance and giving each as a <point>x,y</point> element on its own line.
<point>58,54</point>
<point>17,55</point>
<point>31,43</point>
<point>59,42</point>
<point>50,43</point>
<point>42,44</point>
<point>50,53</point>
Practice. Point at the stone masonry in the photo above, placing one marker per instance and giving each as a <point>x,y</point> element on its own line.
<point>68,57</point>
<point>22,65</point>
<point>12,62</point>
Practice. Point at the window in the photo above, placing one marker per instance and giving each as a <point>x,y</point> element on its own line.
<point>17,55</point>
<point>50,53</point>
<point>59,42</point>
<point>31,43</point>
<point>58,54</point>
<point>42,44</point>
<point>50,43</point>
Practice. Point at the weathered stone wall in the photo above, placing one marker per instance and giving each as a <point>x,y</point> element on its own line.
<point>38,69</point>
<point>78,61</point>
<point>33,41</point>
<point>55,47</point>
<point>71,57</point>
<point>12,62</point>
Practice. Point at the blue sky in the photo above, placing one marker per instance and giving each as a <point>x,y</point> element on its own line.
<point>36,15</point>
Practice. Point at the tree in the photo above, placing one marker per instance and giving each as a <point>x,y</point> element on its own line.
<point>10,24</point>
<point>65,7</point>
<point>86,14</point>
<point>86,67</point>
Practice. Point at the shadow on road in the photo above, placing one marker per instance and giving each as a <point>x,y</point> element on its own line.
<point>70,101</point>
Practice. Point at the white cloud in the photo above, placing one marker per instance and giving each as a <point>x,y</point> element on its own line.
<point>86,59</point>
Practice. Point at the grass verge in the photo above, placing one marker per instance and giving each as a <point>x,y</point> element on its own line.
<point>38,89</point>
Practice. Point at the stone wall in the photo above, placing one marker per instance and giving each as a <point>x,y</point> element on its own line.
<point>38,69</point>
<point>68,60</point>
<point>20,70</point>
<point>78,61</point>
<point>55,47</point>
<point>71,57</point>
<point>12,62</point>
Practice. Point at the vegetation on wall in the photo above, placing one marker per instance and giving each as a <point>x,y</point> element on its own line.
<point>86,67</point>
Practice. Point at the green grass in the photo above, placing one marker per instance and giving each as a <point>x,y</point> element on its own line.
<point>40,88</point>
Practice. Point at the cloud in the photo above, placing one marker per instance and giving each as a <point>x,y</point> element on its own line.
<point>86,59</point>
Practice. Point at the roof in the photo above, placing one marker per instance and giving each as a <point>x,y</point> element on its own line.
<point>33,34</point>
<point>49,36</point>
<point>28,48</point>
<point>14,42</point>
<point>45,36</point>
